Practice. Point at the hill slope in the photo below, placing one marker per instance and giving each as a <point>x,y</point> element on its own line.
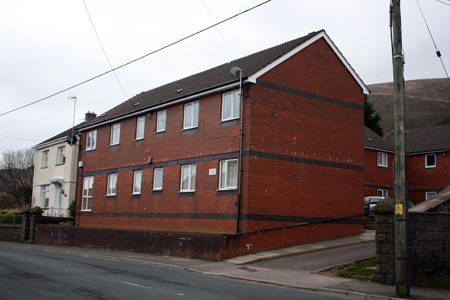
<point>427,103</point>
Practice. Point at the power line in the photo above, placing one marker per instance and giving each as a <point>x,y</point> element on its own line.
<point>446,3</point>
<point>438,53</point>
<point>137,59</point>
<point>16,138</point>
<point>103,48</point>
<point>220,32</point>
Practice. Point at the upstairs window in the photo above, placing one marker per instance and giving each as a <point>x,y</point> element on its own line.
<point>161,121</point>
<point>228,174</point>
<point>430,195</point>
<point>112,184</point>
<point>115,134</point>
<point>230,105</point>
<point>45,159</point>
<point>382,159</point>
<point>60,159</point>
<point>91,140</point>
<point>88,191</point>
<point>430,161</point>
<point>190,115</point>
<point>140,126</point>
<point>137,178</point>
<point>382,193</point>
<point>45,195</point>
<point>188,174</point>
<point>158,179</point>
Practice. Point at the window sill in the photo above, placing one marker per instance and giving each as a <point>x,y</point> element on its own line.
<point>186,193</point>
<point>228,120</point>
<point>190,130</point>
<point>44,167</point>
<point>431,167</point>
<point>382,167</point>
<point>89,151</point>
<point>114,146</point>
<point>110,197</point>
<point>135,196</point>
<point>230,192</point>
<point>160,132</point>
<point>156,192</point>
<point>138,140</point>
<point>59,164</point>
<point>86,210</point>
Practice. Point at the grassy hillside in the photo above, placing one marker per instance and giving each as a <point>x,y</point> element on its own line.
<point>427,103</point>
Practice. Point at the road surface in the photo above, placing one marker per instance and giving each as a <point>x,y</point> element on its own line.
<point>33,273</point>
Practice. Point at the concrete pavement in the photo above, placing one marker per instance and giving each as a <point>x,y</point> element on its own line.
<point>240,268</point>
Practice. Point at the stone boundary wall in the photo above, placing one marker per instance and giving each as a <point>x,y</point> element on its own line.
<point>10,232</point>
<point>429,242</point>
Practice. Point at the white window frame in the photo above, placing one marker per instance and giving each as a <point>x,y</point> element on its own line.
<point>161,118</point>
<point>86,201</point>
<point>140,128</point>
<point>91,140</point>
<point>160,172</point>
<point>236,101</point>
<point>60,155</point>
<point>426,161</point>
<point>137,184</point>
<point>223,168</point>
<point>382,193</point>
<point>384,159</point>
<point>45,195</point>
<point>192,173</point>
<point>194,112</point>
<point>45,155</point>
<point>430,195</point>
<point>115,134</point>
<point>111,187</point>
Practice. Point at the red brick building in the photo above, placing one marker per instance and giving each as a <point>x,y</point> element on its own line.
<point>427,163</point>
<point>172,159</point>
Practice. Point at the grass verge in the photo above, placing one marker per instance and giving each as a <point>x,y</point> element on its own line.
<point>360,269</point>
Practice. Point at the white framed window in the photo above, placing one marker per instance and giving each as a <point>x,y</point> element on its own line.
<point>112,185</point>
<point>45,195</point>
<point>190,115</point>
<point>430,160</point>
<point>88,191</point>
<point>60,159</point>
<point>45,159</point>
<point>161,121</point>
<point>188,174</point>
<point>382,193</point>
<point>382,159</point>
<point>91,140</point>
<point>115,134</point>
<point>140,128</point>
<point>430,195</point>
<point>230,105</point>
<point>137,179</point>
<point>158,179</point>
<point>228,174</point>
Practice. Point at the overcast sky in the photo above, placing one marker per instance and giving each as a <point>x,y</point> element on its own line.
<point>49,45</point>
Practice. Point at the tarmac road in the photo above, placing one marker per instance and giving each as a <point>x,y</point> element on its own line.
<point>322,259</point>
<point>29,272</point>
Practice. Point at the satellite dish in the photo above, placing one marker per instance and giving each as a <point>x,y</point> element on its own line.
<point>71,139</point>
<point>236,71</point>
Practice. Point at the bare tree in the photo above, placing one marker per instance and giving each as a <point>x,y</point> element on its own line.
<point>16,177</point>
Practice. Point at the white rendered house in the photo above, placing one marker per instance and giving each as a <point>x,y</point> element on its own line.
<point>54,179</point>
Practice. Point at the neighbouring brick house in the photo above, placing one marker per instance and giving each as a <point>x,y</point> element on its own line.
<point>427,162</point>
<point>172,159</point>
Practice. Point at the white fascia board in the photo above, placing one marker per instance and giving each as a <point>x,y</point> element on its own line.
<point>299,48</point>
<point>379,149</point>
<point>157,107</point>
<point>50,143</point>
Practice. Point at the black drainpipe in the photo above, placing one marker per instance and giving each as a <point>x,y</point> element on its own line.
<point>241,96</point>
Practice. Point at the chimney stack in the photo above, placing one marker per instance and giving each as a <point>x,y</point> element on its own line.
<point>89,116</point>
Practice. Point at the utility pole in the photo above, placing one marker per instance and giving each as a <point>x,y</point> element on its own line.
<point>401,275</point>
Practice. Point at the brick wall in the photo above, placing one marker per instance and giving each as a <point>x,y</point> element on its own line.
<point>422,180</point>
<point>305,140</point>
<point>376,177</point>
